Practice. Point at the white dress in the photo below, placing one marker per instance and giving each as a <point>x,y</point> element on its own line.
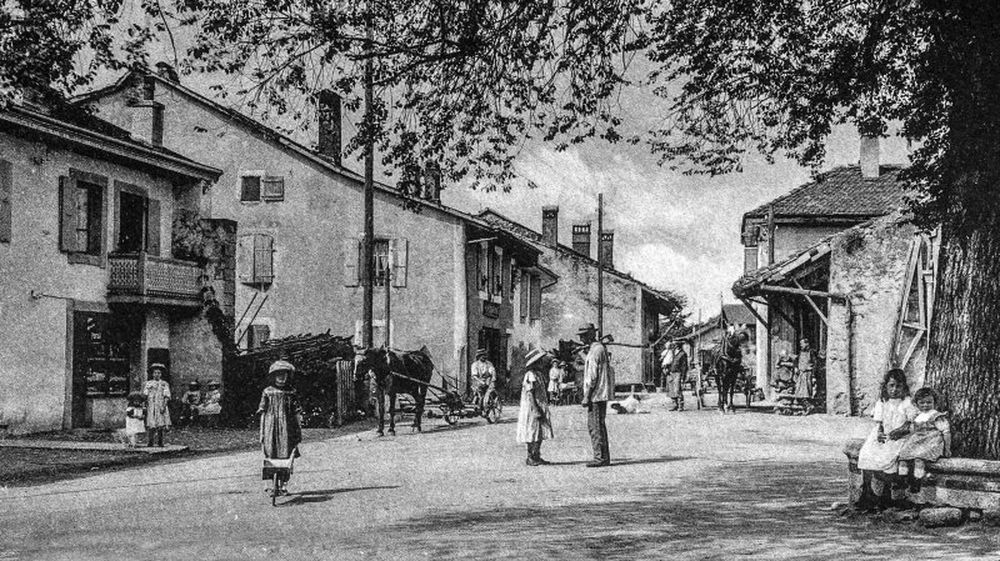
<point>529,427</point>
<point>883,456</point>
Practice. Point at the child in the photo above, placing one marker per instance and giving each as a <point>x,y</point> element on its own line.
<point>280,421</point>
<point>929,439</point>
<point>533,422</point>
<point>880,452</point>
<point>135,416</point>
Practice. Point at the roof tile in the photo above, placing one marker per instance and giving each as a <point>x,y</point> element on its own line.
<point>842,191</point>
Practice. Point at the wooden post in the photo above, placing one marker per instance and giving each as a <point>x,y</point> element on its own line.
<point>770,235</point>
<point>600,266</point>
<point>368,241</point>
<point>388,287</point>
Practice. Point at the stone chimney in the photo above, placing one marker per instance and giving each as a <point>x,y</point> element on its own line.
<point>581,239</point>
<point>432,182</point>
<point>608,247</point>
<point>147,113</point>
<point>869,157</point>
<point>550,225</point>
<point>329,124</point>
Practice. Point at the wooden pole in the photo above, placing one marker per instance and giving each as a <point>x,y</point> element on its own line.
<point>697,379</point>
<point>770,235</point>
<point>388,286</point>
<point>368,242</point>
<point>600,266</point>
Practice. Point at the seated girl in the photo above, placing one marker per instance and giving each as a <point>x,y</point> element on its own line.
<point>878,458</point>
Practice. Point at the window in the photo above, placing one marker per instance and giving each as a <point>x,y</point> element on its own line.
<point>257,335</point>
<point>250,188</point>
<point>381,257</point>
<point>6,186</point>
<point>535,309</point>
<point>483,267</point>
<point>137,220</point>
<point>255,259</point>
<point>525,293</point>
<point>392,253</point>
<point>81,217</point>
<point>496,273</point>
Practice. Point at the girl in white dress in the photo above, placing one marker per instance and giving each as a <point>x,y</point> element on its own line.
<point>879,456</point>
<point>929,439</point>
<point>533,421</point>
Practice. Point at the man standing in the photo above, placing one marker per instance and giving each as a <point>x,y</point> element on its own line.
<point>678,369</point>
<point>598,387</point>
<point>484,375</point>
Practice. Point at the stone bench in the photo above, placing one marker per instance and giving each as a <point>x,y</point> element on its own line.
<point>959,482</point>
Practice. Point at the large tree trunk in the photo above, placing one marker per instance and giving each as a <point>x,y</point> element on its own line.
<point>964,353</point>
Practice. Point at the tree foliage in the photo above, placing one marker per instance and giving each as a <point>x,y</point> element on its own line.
<point>461,84</point>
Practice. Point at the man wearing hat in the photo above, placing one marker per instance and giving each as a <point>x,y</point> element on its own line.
<point>157,394</point>
<point>677,370</point>
<point>484,375</point>
<point>598,389</point>
<point>533,422</point>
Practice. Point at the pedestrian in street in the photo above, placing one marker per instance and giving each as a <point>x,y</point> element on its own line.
<point>534,423</point>
<point>484,375</point>
<point>598,387</point>
<point>556,374</point>
<point>677,373</point>
<point>879,456</point>
<point>157,394</point>
<point>280,421</point>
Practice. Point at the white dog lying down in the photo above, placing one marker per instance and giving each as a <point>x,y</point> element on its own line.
<point>627,406</point>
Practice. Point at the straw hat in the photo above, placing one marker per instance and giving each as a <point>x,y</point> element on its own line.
<point>481,353</point>
<point>534,356</point>
<point>586,328</point>
<point>281,365</point>
<point>157,366</point>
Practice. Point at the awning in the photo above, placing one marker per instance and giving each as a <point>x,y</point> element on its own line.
<point>782,273</point>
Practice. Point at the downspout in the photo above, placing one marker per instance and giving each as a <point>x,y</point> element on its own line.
<point>850,355</point>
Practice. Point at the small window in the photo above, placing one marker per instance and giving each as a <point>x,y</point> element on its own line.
<point>257,335</point>
<point>381,257</point>
<point>535,311</point>
<point>250,188</point>
<point>274,188</point>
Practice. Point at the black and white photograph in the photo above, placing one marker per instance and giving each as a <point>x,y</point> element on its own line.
<point>474,280</point>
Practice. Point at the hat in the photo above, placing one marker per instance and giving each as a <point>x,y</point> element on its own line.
<point>481,352</point>
<point>280,365</point>
<point>534,356</point>
<point>214,384</point>
<point>156,365</point>
<point>194,384</point>
<point>586,328</point>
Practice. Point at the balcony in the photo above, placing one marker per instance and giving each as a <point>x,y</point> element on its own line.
<point>140,278</point>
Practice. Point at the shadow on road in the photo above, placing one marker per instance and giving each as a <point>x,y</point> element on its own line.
<point>320,496</point>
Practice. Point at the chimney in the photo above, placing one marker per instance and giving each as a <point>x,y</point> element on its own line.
<point>167,72</point>
<point>581,239</point>
<point>550,225</point>
<point>432,182</point>
<point>869,157</point>
<point>608,247</point>
<point>147,113</point>
<point>329,123</point>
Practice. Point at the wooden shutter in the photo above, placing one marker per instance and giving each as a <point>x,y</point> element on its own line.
<point>399,250</point>
<point>244,258</point>
<point>525,291</point>
<point>153,227</point>
<point>68,215</point>
<point>536,297</point>
<point>6,182</point>
<point>257,336</point>
<point>274,188</point>
<point>263,259</point>
<point>352,257</point>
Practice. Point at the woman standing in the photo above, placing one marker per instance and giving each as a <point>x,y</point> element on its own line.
<point>533,422</point>
<point>280,428</point>
<point>157,394</point>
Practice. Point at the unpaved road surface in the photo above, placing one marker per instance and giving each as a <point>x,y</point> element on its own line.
<point>691,485</point>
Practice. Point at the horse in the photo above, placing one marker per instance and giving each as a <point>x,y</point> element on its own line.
<point>394,373</point>
<point>727,368</point>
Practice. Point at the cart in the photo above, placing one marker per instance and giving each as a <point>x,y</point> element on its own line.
<point>278,471</point>
<point>452,406</point>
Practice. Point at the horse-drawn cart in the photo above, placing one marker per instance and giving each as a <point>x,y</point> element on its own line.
<point>451,406</point>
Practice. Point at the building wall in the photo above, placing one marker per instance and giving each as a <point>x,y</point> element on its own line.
<point>319,212</point>
<point>572,302</point>
<point>871,267</point>
<point>525,336</point>
<point>36,349</point>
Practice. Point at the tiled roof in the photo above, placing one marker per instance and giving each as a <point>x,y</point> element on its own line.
<point>737,314</point>
<point>841,191</point>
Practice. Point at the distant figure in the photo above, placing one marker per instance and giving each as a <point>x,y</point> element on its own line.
<point>534,423</point>
<point>805,365</point>
<point>135,418</point>
<point>212,403</point>
<point>556,375</point>
<point>677,373</point>
<point>598,387</point>
<point>484,375</point>
<point>190,402</point>
<point>157,394</point>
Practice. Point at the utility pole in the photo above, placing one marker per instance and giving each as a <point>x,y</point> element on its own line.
<point>388,285</point>
<point>368,241</point>
<point>600,266</point>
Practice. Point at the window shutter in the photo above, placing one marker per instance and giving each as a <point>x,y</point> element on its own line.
<point>153,227</point>
<point>244,258</point>
<point>536,297</point>
<point>525,291</point>
<point>352,258</point>
<point>68,215</point>
<point>250,188</point>
<point>259,334</point>
<point>400,261</point>
<point>263,258</point>
<point>6,181</point>
<point>274,188</point>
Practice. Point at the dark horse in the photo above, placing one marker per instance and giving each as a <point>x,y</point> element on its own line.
<point>394,373</point>
<point>727,365</point>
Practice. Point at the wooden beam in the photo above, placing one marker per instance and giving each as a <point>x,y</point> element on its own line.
<point>756,315</point>
<point>802,292</point>
<point>813,304</point>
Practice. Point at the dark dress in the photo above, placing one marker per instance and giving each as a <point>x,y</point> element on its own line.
<point>280,432</point>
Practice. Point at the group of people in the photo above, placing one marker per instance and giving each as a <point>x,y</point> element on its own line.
<point>149,411</point>
<point>908,433</point>
<point>196,403</point>
<point>796,374</point>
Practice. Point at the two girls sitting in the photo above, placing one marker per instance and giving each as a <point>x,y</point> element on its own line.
<point>908,432</point>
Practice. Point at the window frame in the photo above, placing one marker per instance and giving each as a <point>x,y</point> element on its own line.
<point>97,187</point>
<point>259,175</point>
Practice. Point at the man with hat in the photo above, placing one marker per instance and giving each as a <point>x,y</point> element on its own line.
<point>598,389</point>
<point>533,422</point>
<point>157,394</point>
<point>677,370</point>
<point>484,375</point>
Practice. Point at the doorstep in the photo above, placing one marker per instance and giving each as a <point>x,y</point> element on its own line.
<point>98,446</point>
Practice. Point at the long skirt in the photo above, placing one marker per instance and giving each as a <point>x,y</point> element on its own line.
<point>879,456</point>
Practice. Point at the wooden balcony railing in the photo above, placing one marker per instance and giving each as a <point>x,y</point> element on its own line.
<point>140,278</point>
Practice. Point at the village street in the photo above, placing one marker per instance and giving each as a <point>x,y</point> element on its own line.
<point>694,485</point>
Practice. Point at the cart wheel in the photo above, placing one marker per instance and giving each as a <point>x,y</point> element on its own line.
<point>274,489</point>
<point>492,409</point>
<point>450,419</point>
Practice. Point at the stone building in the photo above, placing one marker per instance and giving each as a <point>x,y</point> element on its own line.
<point>632,309</point>
<point>786,227</point>
<point>91,290</point>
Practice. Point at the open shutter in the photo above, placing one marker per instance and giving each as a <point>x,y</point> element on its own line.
<point>352,255</point>
<point>68,215</point>
<point>274,188</point>
<point>244,258</point>
<point>153,227</point>
<point>6,181</point>
<point>525,291</point>
<point>263,259</point>
<point>536,297</point>
<point>400,249</point>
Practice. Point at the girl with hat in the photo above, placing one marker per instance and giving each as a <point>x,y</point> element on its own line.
<point>157,394</point>
<point>533,422</point>
<point>280,427</point>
